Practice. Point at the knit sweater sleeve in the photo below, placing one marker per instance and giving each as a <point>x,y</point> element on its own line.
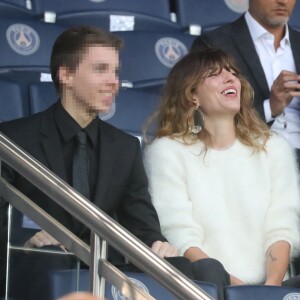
<point>282,220</point>
<point>165,168</point>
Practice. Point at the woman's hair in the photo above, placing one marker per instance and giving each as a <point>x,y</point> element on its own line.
<point>175,114</point>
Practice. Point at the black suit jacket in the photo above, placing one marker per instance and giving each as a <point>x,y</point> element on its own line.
<point>235,38</point>
<point>122,186</point>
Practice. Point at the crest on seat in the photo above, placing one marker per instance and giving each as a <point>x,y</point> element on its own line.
<point>22,39</point>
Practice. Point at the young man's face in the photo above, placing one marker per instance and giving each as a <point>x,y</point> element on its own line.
<point>94,83</point>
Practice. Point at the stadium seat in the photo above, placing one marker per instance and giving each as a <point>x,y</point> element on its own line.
<point>208,14</point>
<point>261,292</point>
<point>17,9</point>
<point>69,280</point>
<point>147,57</point>
<point>41,96</point>
<point>131,110</point>
<point>12,105</point>
<point>26,46</point>
<point>25,50</point>
<point>113,15</point>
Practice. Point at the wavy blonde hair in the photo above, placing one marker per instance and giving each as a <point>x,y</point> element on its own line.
<point>175,113</point>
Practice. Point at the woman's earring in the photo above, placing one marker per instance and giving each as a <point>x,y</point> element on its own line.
<point>198,121</point>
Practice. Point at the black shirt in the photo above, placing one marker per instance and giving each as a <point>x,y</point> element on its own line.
<point>68,128</point>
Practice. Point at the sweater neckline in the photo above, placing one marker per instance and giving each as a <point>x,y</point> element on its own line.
<point>225,149</point>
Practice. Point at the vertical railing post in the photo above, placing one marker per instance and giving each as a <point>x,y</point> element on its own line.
<point>98,251</point>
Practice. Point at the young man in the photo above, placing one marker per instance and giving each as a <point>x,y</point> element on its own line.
<point>84,68</point>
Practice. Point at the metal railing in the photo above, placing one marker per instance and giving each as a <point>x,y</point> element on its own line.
<point>95,219</point>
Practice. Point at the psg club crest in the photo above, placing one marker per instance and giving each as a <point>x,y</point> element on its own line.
<point>22,39</point>
<point>238,6</point>
<point>292,296</point>
<point>104,116</point>
<point>118,296</point>
<point>169,51</point>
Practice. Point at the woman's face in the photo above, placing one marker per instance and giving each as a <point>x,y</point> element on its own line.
<point>218,95</point>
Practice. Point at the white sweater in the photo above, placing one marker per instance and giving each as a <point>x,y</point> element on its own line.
<point>233,203</point>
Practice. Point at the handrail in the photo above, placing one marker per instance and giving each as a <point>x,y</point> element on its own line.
<point>99,222</point>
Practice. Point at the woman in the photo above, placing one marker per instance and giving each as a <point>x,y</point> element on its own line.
<point>223,184</point>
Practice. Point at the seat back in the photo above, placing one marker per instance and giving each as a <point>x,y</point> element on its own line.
<point>261,292</point>
<point>25,51</point>
<point>11,102</point>
<point>41,96</point>
<point>16,9</point>
<point>131,110</point>
<point>147,57</point>
<point>208,14</point>
<point>26,46</point>
<point>113,15</point>
<point>66,281</point>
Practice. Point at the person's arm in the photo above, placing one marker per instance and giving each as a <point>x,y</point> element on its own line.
<point>282,227</point>
<point>277,260</point>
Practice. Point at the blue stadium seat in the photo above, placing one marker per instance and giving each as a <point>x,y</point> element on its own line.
<point>15,9</point>
<point>26,46</point>
<point>131,109</point>
<point>41,96</point>
<point>135,14</point>
<point>295,17</point>
<point>25,50</point>
<point>66,281</point>
<point>147,57</point>
<point>261,292</point>
<point>11,102</point>
<point>208,14</point>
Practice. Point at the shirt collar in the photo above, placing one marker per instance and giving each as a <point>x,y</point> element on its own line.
<point>257,31</point>
<point>68,127</point>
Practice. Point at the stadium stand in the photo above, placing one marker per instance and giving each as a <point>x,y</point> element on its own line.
<point>16,9</point>
<point>208,14</point>
<point>12,106</point>
<point>147,57</point>
<point>41,96</point>
<point>261,292</point>
<point>25,51</point>
<point>66,281</point>
<point>113,15</point>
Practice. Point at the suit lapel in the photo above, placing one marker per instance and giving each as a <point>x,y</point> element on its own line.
<point>244,44</point>
<point>106,164</point>
<point>52,146</point>
<point>295,43</point>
